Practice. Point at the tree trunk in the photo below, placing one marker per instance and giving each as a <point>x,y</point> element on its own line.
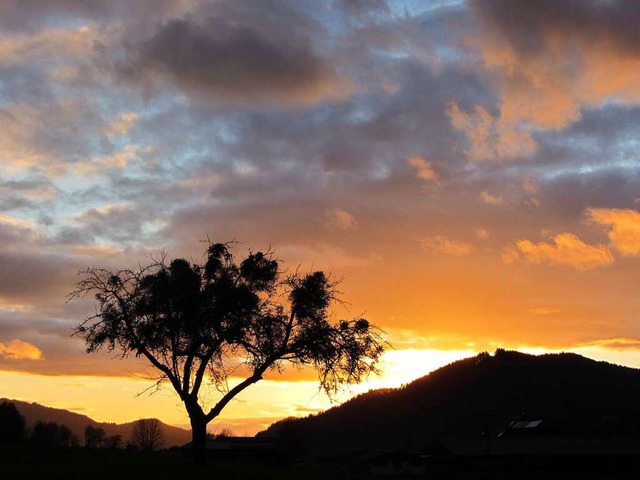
<point>199,440</point>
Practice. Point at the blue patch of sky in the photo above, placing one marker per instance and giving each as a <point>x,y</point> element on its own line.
<point>585,155</point>
<point>340,25</point>
<point>416,8</point>
<point>590,168</point>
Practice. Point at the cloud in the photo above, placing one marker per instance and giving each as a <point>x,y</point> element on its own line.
<point>544,311</point>
<point>327,257</point>
<point>99,165</point>
<point>320,180</point>
<point>491,199</point>
<point>530,185</point>
<point>618,343</point>
<point>422,169</point>
<point>482,233</point>
<point>28,144</point>
<point>122,124</point>
<point>25,194</point>
<point>51,45</point>
<point>32,276</point>
<point>489,139</point>
<point>625,227</point>
<point>338,219</point>
<point>232,60</point>
<point>554,59</point>
<point>442,244</point>
<point>31,15</point>
<point>361,7</point>
<point>115,222</point>
<point>565,250</point>
<point>19,350</point>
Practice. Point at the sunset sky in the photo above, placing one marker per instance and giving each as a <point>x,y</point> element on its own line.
<point>470,169</point>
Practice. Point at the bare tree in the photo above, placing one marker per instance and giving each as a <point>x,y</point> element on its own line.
<point>94,437</point>
<point>113,442</point>
<point>195,323</point>
<point>147,434</point>
<point>223,433</point>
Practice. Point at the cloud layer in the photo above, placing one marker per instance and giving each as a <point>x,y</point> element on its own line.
<point>469,168</point>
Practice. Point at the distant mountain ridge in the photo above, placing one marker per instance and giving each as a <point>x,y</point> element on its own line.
<point>34,412</point>
<point>479,394</point>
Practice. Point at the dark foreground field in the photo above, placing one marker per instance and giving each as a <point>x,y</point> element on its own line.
<point>27,462</point>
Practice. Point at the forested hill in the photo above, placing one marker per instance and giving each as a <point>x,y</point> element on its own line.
<point>471,396</point>
<point>34,412</point>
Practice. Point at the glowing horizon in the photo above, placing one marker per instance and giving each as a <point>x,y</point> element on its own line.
<point>123,399</point>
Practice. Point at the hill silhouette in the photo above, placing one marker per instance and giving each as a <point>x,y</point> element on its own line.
<point>34,412</point>
<point>476,395</point>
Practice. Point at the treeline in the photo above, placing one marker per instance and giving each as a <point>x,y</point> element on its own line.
<point>147,433</point>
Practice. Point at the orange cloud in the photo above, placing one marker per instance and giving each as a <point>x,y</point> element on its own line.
<point>482,233</point>
<point>19,350</point>
<point>625,227</point>
<point>47,44</point>
<point>544,311</point>
<point>491,199</point>
<point>615,343</point>
<point>117,161</point>
<point>489,139</point>
<point>530,185</point>
<point>324,256</point>
<point>338,219</point>
<point>563,57</point>
<point>423,169</point>
<point>566,250</point>
<point>442,244</point>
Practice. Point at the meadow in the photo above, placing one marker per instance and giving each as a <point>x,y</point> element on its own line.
<point>20,461</point>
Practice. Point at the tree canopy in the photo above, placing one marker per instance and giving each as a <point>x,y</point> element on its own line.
<point>198,323</point>
<point>12,424</point>
<point>147,434</point>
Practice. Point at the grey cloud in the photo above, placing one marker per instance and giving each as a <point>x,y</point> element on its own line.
<point>25,194</point>
<point>17,323</point>
<point>51,132</point>
<point>568,196</point>
<point>233,60</point>
<point>526,24</point>
<point>66,355</point>
<point>73,236</point>
<point>19,15</point>
<point>27,277</point>
<point>598,142</point>
<point>30,15</point>
<point>360,7</point>
<point>116,223</point>
<point>367,137</point>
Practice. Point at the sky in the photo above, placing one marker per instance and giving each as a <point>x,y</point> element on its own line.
<point>469,169</point>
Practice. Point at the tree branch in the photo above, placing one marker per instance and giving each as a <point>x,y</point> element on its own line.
<point>256,377</point>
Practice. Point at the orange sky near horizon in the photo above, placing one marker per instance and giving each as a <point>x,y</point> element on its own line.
<point>468,169</point>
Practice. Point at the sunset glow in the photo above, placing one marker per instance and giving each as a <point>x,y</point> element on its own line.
<point>468,170</point>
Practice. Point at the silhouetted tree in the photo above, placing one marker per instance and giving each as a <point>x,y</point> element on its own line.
<point>147,434</point>
<point>12,424</point>
<point>189,319</point>
<point>224,433</point>
<point>94,437</point>
<point>115,441</point>
<point>51,434</point>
